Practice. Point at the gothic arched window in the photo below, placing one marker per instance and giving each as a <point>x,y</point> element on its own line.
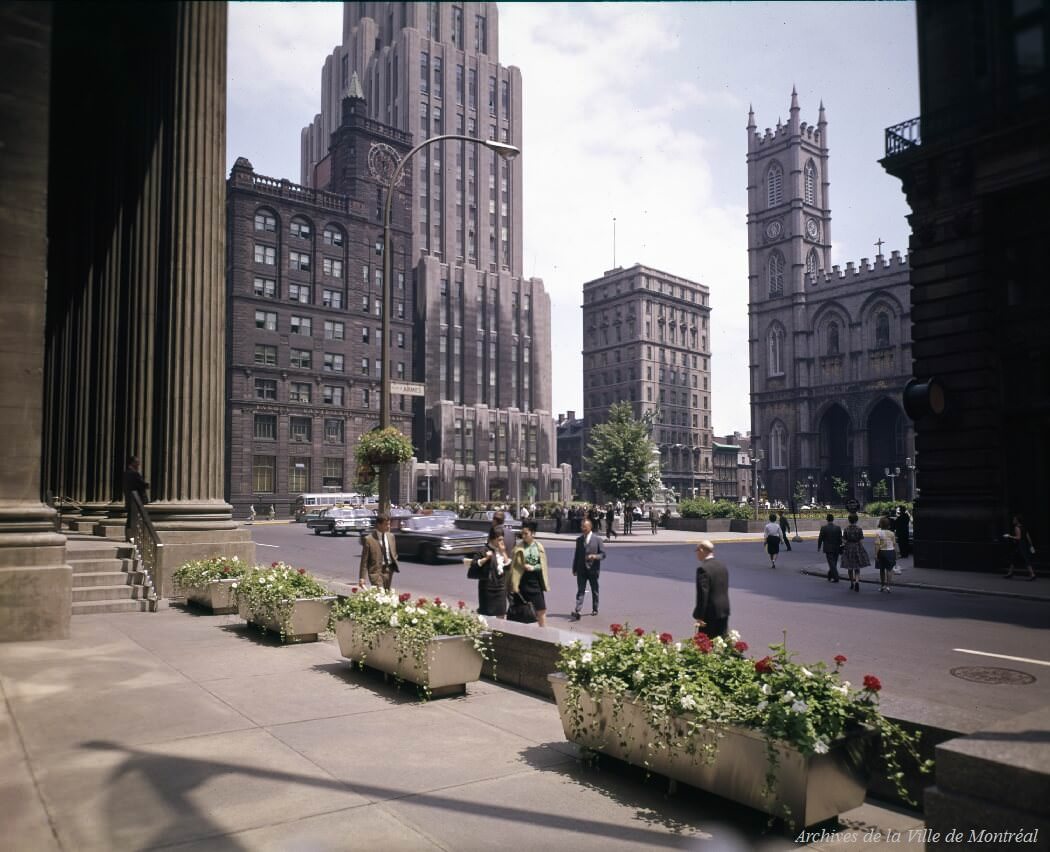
<point>776,351</point>
<point>810,180</point>
<point>882,330</point>
<point>775,269</point>
<point>778,446</point>
<point>774,185</point>
<point>812,262</point>
<point>833,338</point>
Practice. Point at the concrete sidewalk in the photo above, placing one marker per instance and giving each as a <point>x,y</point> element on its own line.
<point>173,729</point>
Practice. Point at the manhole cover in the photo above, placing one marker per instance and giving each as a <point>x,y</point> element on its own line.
<point>991,674</point>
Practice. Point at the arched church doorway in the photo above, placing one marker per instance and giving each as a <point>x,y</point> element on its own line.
<point>886,448</point>
<point>836,451</point>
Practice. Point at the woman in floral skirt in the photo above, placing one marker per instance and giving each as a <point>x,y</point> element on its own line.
<point>854,556</point>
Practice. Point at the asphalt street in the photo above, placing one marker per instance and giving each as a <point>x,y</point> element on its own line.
<point>912,639</point>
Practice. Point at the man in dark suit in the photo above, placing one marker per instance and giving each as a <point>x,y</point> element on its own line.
<point>379,555</point>
<point>133,483</point>
<point>712,592</point>
<point>586,564</point>
<point>830,541</point>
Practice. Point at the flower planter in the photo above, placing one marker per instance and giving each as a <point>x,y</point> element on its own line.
<point>450,663</point>
<point>216,596</point>
<point>809,788</point>
<point>309,618</point>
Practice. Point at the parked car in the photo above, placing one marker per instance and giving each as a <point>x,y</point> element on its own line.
<point>483,520</point>
<point>397,517</point>
<point>342,521</point>
<point>433,537</point>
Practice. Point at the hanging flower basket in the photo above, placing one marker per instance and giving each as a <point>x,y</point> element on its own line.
<point>382,446</point>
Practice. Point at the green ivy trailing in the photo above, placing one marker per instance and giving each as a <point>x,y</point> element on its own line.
<point>378,447</point>
<point>198,573</point>
<point>692,689</point>
<point>272,592</point>
<point>415,623</point>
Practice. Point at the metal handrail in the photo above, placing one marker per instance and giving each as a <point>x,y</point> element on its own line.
<point>903,136</point>
<point>146,545</point>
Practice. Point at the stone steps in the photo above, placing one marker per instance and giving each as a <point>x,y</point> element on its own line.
<point>95,607</point>
<point>91,566</point>
<point>107,593</point>
<point>88,579</point>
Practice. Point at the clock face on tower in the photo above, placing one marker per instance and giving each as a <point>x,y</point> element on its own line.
<point>812,229</point>
<point>773,230</point>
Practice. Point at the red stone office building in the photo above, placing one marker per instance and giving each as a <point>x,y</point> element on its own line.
<point>304,327</point>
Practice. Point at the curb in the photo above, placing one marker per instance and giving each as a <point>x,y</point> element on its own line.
<point>938,588</point>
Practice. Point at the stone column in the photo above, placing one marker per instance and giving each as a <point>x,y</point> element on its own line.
<point>35,584</point>
<point>187,454</point>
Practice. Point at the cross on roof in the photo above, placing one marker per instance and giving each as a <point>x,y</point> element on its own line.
<point>878,245</point>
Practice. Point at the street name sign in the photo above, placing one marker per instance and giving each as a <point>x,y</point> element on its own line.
<point>408,388</point>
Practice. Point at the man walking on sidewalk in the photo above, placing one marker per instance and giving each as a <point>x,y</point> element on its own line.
<point>586,564</point>
<point>830,541</point>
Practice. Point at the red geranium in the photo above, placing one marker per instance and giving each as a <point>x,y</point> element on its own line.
<point>437,601</point>
<point>840,659</point>
<point>616,629</point>
<point>763,666</point>
<point>702,642</point>
<point>421,602</point>
<point>353,590</point>
<point>741,647</point>
<point>872,683</point>
<point>462,604</point>
<point>666,638</point>
<point>638,631</point>
<point>302,570</point>
<point>274,564</point>
<point>404,596</point>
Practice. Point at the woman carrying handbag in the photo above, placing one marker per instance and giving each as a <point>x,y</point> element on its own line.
<point>528,572</point>
<point>492,571</point>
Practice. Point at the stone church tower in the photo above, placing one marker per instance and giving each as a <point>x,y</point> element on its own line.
<point>830,349</point>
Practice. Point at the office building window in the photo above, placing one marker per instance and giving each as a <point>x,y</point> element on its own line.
<point>265,287</point>
<point>332,395</point>
<point>333,363</point>
<point>333,236</point>
<point>299,260</point>
<point>334,330</point>
<point>301,358</point>
<point>265,254</point>
<point>264,474</point>
<point>332,298</point>
<point>333,430</point>
<point>332,268</point>
<point>300,429</point>
<point>299,293</point>
<point>265,221</point>
<point>265,354</point>
<point>266,320</point>
<point>299,392</point>
<point>266,427</point>
<point>298,474</point>
<point>300,228</point>
<point>300,325</point>
<point>333,475</point>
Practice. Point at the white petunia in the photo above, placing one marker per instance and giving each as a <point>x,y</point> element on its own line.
<point>788,696</point>
<point>766,689</point>
<point>571,664</point>
<point>415,621</point>
<point>821,747</point>
<point>587,657</point>
<point>846,684</point>
<point>638,676</point>
<point>719,643</point>
<point>799,707</point>
<point>639,645</point>
<point>482,621</point>
<point>806,672</point>
<point>762,705</point>
<point>678,646</point>
<point>393,620</point>
<point>688,702</point>
<point>734,636</point>
<point>841,689</point>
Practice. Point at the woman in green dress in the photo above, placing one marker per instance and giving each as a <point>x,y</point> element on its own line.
<point>528,571</point>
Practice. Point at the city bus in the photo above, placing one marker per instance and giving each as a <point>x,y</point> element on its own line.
<point>305,503</point>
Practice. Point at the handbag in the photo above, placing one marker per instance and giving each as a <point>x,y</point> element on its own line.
<point>521,610</point>
<point>474,570</point>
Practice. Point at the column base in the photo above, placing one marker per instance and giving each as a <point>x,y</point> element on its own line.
<point>36,586</point>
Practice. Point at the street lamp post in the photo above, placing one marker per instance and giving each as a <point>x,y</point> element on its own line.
<point>892,476</point>
<point>506,152</point>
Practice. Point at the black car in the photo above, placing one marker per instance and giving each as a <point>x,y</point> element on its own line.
<point>483,521</point>
<point>432,537</point>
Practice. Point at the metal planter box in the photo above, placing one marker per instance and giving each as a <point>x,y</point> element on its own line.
<point>309,618</point>
<point>450,663</point>
<point>216,596</point>
<point>812,788</point>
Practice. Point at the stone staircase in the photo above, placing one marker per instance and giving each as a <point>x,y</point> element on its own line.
<point>104,579</point>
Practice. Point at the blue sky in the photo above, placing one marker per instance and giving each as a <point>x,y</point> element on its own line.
<point>637,111</point>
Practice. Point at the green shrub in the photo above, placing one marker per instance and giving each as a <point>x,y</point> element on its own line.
<point>878,508</point>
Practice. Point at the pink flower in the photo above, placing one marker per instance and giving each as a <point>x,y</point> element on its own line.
<point>764,666</point>
<point>872,683</point>
<point>666,638</point>
<point>741,647</point>
<point>638,631</point>
<point>616,629</point>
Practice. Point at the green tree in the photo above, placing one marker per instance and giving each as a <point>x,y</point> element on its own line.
<point>801,493</point>
<point>881,490</point>
<point>620,456</point>
<point>841,487</point>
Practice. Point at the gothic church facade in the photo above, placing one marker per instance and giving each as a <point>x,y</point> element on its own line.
<point>830,349</point>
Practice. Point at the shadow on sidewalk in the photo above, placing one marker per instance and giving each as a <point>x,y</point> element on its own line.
<point>382,685</point>
<point>176,780</point>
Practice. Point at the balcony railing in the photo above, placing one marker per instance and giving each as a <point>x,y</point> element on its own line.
<point>903,137</point>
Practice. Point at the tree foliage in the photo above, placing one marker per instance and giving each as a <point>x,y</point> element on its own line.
<point>620,456</point>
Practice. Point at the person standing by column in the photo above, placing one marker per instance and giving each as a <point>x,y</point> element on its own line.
<point>772,531</point>
<point>586,564</point>
<point>711,613</point>
<point>379,555</point>
<point>830,541</point>
<point>133,483</point>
